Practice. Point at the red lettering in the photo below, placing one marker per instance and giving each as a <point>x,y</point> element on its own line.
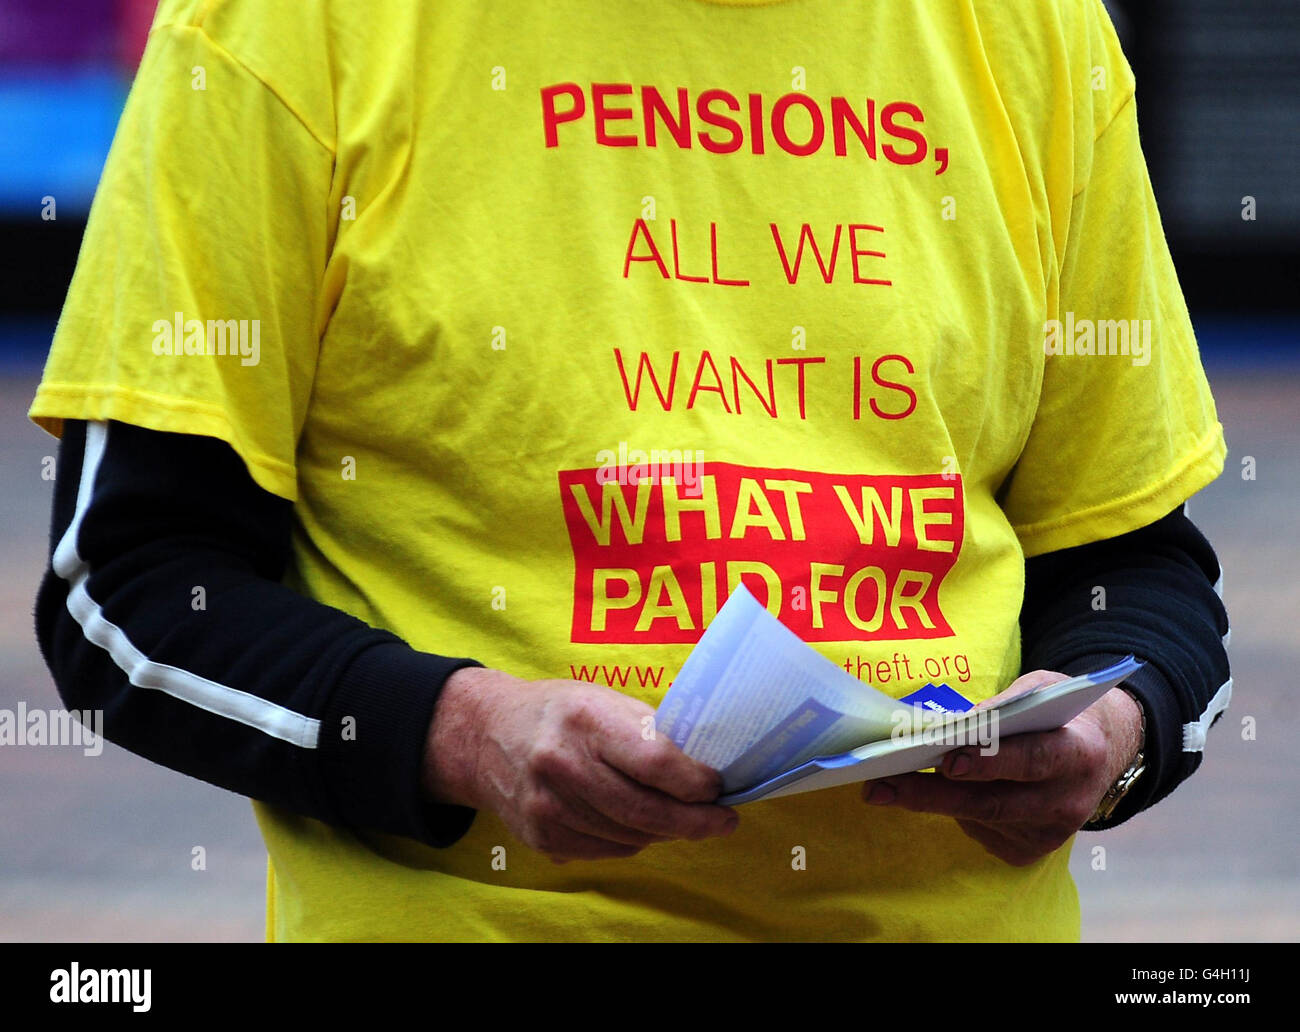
<point>842,114</point>
<point>800,363</point>
<point>677,264</point>
<point>722,125</point>
<point>792,275</point>
<point>900,387</point>
<point>858,252</point>
<point>697,386</point>
<point>652,104</point>
<point>552,117</point>
<point>643,364</point>
<point>641,229</point>
<point>713,250</point>
<point>703,107</point>
<point>914,136</point>
<point>600,91</point>
<point>756,122</point>
<point>652,563</point>
<point>857,387</point>
<point>782,137</point>
<point>768,403</point>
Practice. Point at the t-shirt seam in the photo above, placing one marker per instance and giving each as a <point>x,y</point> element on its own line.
<point>1128,99</point>
<point>1206,445</point>
<point>234,59</point>
<point>276,467</point>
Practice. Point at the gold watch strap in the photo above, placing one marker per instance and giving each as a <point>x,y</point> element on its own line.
<point>1120,789</point>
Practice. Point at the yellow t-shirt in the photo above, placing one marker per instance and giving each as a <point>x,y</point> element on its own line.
<point>879,290</point>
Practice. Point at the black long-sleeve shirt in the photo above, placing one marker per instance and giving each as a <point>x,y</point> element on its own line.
<point>163,607</point>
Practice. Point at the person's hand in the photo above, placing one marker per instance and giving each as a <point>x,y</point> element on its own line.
<point>1039,789</point>
<point>572,768</point>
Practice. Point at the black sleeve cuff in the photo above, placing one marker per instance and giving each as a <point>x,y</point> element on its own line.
<point>1150,593</point>
<point>372,740</point>
<point>1163,751</point>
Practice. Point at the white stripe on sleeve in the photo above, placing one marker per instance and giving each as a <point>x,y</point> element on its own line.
<point>220,699</point>
<point>1194,733</point>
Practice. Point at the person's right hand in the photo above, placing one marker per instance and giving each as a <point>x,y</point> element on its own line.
<point>568,766</point>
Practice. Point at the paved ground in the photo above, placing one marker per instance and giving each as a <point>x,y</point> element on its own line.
<point>99,849</point>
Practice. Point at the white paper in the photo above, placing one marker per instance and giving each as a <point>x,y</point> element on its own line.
<point>775,717</point>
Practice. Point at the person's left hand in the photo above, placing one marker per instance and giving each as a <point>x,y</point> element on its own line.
<point>1039,789</point>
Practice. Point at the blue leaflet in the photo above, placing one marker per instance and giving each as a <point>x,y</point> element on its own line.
<point>940,698</point>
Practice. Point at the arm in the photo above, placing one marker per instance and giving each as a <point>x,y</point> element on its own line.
<point>165,562</point>
<point>1160,605</point>
<point>260,690</point>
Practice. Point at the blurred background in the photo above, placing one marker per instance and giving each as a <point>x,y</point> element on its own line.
<point>101,848</point>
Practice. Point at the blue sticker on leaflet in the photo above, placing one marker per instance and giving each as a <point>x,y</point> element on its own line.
<point>939,698</point>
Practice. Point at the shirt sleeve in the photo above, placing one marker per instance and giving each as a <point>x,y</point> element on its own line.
<point>1125,427</point>
<point>162,609</point>
<point>1152,593</point>
<point>196,304</point>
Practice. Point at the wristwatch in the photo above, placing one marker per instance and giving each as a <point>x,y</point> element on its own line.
<point>1120,789</point>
